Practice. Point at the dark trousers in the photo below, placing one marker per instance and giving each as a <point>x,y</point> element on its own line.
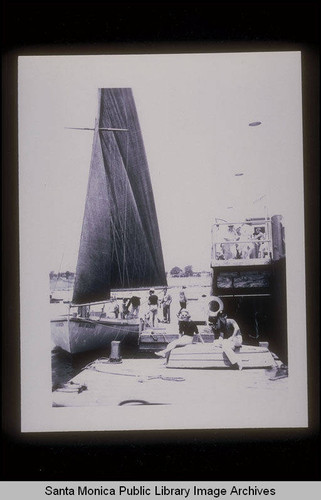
<point>167,313</point>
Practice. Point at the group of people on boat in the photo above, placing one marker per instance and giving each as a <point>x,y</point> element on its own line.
<point>165,304</point>
<point>130,307</point>
<point>242,242</point>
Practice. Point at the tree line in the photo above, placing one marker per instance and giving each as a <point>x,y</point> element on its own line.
<point>177,272</point>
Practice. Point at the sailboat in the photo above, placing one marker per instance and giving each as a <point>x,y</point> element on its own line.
<point>120,246</point>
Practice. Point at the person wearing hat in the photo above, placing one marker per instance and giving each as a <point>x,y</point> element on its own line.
<point>229,335</point>
<point>166,303</point>
<point>222,326</point>
<point>153,306</point>
<point>181,320</point>
<point>189,328</point>
<point>229,249</point>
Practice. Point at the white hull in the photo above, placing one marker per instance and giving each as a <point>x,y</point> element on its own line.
<point>76,335</point>
<point>211,356</point>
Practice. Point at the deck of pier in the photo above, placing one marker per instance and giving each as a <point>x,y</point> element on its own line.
<point>150,381</point>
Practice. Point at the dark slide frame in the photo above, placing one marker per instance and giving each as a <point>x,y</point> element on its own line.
<point>32,28</point>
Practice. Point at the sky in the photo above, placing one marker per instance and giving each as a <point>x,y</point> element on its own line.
<point>194,111</point>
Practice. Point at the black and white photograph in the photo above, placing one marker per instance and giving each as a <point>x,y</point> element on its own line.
<point>162,242</point>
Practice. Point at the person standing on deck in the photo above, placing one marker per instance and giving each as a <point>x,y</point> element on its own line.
<point>229,335</point>
<point>124,308</point>
<point>189,328</point>
<point>245,249</point>
<point>116,310</point>
<point>115,306</point>
<point>182,300</point>
<point>153,306</point>
<point>166,303</point>
<point>259,236</point>
<point>229,249</point>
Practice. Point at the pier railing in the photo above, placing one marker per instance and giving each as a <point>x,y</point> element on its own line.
<point>242,243</point>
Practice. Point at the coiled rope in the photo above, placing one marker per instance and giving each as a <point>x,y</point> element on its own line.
<point>142,378</point>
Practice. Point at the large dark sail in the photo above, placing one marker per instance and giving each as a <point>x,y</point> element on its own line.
<point>120,242</point>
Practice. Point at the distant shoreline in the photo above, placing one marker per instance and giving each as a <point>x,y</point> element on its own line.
<point>62,284</point>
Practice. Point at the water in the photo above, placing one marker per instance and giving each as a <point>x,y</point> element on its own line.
<point>62,367</point>
<point>66,366</point>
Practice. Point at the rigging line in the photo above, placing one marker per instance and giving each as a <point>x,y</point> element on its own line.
<point>145,231</point>
<point>118,334</point>
<point>125,198</point>
<point>115,249</point>
<point>135,204</point>
<point>126,195</point>
<point>96,144</point>
<point>130,241</point>
<point>116,237</point>
<point>108,129</point>
<point>134,252</point>
<point>125,163</point>
<point>148,241</point>
<point>126,203</point>
<point>116,232</point>
<point>124,239</point>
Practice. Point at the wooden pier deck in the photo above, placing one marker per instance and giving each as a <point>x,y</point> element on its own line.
<point>150,382</point>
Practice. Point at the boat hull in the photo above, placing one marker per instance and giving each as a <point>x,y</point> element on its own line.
<point>76,335</point>
<point>212,356</point>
